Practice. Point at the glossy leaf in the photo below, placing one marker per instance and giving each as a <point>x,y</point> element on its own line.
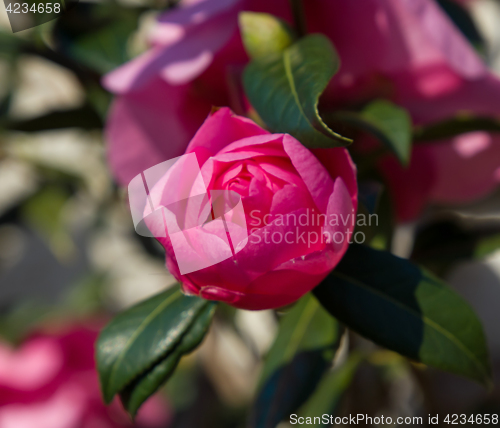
<point>284,90</point>
<point>144,335</point>
<point>264,34</point>
<point>136,393</point>
<point>307,340</point>
<point>387,122</point>
<point>397,305</point>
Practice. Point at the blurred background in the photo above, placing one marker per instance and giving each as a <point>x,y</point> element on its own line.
<point>69,254</point>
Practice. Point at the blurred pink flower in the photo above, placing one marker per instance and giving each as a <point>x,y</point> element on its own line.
<point>408,51</point>
<point>164,95</point>
<point>50,382</point>
<point>300,208</point>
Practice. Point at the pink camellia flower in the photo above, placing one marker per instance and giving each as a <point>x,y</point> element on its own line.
<point>404,50</point>
<point>299,208</point>
<point>50,382</point>
<point>415,56</point>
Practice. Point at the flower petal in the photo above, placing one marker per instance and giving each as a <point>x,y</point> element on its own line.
<point>147,128</point>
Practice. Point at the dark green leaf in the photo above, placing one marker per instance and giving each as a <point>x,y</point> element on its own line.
<point>141,337</point>
<point>330,391</point>
<point>136,393</point>
<point>284,90</point>
<point>397,305</point>
<point>455,126</point>
<point>264,34</point>
<point>307,340</point>
<point>387,122</point>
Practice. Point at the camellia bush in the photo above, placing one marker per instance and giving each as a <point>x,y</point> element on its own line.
<point>348,117</point>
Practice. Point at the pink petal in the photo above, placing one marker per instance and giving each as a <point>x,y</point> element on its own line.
<point>454,171</point>
<point>394,35</point>
<point>65,409</point>
<point>338,163</point>
<point>184,60</point>
<point>258,256</point>
<point>32,366</point>
<point>223,128</point>
<point>466,167</point>
<point>174,24</point>
<point>481,97</point>
<point>289,199</point>
<point>431,36</point>
<point>147,128</point>
<point>314,174</point>
<point>285,287</point>
<point>155,413</point>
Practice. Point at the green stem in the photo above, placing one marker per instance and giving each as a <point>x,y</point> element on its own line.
<point>299,17</point>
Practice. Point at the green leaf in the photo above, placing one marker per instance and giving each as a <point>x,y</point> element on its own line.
<point>136,393</point>
<point>455,126</point>
<point>330,391</point>
<point>397,305</point>
<point>284,90</point>
<point>304,348</point>
<point>387,122</point>
<point>264,34</point>
<point>143,336</point>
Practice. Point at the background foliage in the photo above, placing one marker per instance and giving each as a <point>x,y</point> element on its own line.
<point>361,343</point>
